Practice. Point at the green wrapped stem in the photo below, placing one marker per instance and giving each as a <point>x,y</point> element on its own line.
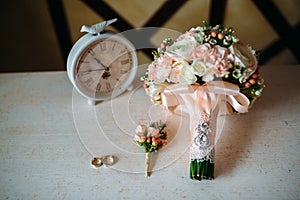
<point>201,170</point>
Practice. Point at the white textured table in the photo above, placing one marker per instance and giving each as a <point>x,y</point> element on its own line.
<point>42,156</point>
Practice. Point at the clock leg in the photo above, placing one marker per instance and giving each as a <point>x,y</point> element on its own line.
<point>91,102</point>
<point>130,87</point>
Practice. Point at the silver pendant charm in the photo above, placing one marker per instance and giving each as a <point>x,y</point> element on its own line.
<point>201,140</point>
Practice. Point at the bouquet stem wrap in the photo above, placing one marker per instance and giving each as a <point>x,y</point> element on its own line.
<point>147,163</point>
<point>203,103</point>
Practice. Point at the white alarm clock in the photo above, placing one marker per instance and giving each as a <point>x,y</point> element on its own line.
<point>101,65</point>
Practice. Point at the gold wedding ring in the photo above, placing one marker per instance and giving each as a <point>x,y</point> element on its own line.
<point>97,162</point>
<point>107,160</point>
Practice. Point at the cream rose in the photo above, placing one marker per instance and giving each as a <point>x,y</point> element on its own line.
<point>186,75</point>
<point>244,56</point>
<point>155,89</point>
<point>199,67</point>
<point>141,129</point>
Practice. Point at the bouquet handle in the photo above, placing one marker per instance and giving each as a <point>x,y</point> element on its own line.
<point>203,104</point>
<point>202,149</point>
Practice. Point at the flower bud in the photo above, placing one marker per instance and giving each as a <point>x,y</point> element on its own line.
<point>258,93</point>
<point>212,41</point>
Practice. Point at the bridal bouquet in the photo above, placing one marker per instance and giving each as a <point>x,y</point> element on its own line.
<point>194,74</point>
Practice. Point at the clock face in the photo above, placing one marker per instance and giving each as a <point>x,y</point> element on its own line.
<point>103,66</point>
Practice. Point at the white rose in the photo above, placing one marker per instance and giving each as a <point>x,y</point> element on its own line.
<point>186,75</point>
<point>209,75</point>
<point>140,129</point>
<point>155,89</point>
<point>199,67</point>
<point>183,47</point>
<point>203,71</point>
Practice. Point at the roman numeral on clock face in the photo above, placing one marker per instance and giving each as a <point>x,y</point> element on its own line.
<point>113,47</point>
<point>108,86</point>
<point>89,81</point>
<point>124,62</point>
<point>123,71</point>
<point>83,61</point>
<point>91,51</point>
<point>103,46</point>
<point>98,88</point>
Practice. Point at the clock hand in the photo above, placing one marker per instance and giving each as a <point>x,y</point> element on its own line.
<point>100,63</point>
<point>92,70</point>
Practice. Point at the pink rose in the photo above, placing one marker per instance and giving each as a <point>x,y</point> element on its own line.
<point>186,35</point>
<point>221,59</point>
<point>217,60</point>
<point>200,52</point>
<point>160,69</point>
<point>175,73</point>
<point>152,131</point>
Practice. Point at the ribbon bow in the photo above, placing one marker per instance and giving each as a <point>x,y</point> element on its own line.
<point>204,98</point>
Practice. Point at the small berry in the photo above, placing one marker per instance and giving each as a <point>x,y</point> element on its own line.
<point>220,36</point>
<point>213,34</point>
<point>146,86</point>
<point>254,76</point>
<point>154,143</point>
<point>252,81</point>
<point>143,138</point>
<point>247,85</point>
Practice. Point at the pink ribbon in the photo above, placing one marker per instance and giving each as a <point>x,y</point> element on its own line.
<point>193,98</point>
